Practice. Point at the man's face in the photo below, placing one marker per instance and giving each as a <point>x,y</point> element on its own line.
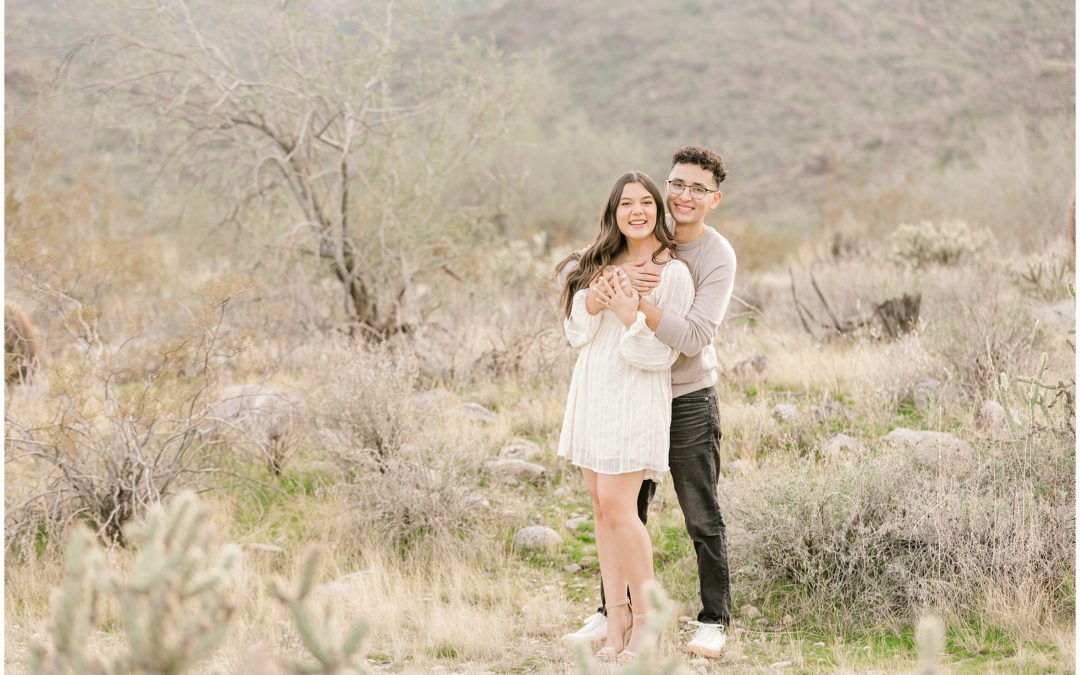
<point>683,207</point>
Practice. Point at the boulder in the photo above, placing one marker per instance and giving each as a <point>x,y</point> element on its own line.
<point>991,417</point>
<point>784,412</point>
<point>536,538</point>
<point>1058,316</point>
<point>477,413</point>
<point>266,417</point>
<point>521,449</point>
<point>841,449</point>
<point>516,471</point>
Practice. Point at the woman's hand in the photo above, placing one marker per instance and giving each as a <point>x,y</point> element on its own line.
<point>615,292</point>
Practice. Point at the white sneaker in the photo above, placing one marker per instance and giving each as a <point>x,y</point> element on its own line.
<point>594,630</point>
<point>709,639</point>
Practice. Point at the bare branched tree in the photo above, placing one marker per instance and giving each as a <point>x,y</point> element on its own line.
<point>359,126</point>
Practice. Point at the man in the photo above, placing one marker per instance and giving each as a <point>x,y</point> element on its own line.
<point>692,192</point>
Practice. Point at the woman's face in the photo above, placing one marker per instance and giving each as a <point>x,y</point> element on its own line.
<point>636,213</point>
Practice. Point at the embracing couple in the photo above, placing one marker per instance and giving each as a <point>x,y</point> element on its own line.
<point>643,303</point>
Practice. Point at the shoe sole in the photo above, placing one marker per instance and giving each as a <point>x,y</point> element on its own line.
<point>704,651</point>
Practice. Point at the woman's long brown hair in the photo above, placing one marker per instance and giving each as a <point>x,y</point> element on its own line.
<point>610,242</point>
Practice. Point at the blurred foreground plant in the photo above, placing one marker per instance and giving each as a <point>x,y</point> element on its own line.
<point>334,654</point>
<point>171,606</point>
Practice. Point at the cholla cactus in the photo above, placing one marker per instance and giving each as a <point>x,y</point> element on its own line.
<point>342,657</point>
<point>929,243</point>
<point>171,606</point>
<point>647,662</point>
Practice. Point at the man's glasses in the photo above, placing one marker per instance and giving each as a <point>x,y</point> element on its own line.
<point>698,192</point>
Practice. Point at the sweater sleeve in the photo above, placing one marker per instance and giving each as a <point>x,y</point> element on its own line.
<point>639,345</point>
<point>692,332</point>
<point>581,326</point>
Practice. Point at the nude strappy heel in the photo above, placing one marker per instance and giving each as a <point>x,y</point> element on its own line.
<point>627,655</point>
<point>607,652</point>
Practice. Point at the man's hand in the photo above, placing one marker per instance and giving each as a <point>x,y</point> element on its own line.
<point>642,276</point>
<point>615,292</point>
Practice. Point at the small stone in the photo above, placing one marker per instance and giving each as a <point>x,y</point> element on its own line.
<point>784,412</point>
<point>589,561</point>
<point>432,397</point>
<point>520,449</point>
<point>830,410</point>
<point>738,466</point>
<point>572,568</point>
<point>749,612</point>
<point>991,416</point>
<point>477,413</point>
<point>1059,316</point>
<point>476,500</point>
<point>841,449</point>
<point>819,644</point>
<point>267,548</point>
<point>926,442</point>
<point>926,392</point>
<point>516,471</point>
<point>787,620</point>
<point>573,523</point>
<point>761,621</point>
<point>780,664</point>
<point>537,538</point>
<point>337,585</point>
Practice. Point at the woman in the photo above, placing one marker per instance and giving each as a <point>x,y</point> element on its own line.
<point>618,410</point>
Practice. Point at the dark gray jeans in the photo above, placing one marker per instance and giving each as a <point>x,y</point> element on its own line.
<point>694,458</point>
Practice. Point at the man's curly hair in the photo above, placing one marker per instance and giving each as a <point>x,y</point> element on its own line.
<point>703,157</point>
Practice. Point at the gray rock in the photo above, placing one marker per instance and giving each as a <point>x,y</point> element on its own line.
<point>573,523</point>
<point>738,466</point>
<point>537,538</point>
<point>589,561</point>
<point>269,549</point>
<point>926,392</point>
<point>780,664</point>
<point>477,413</point>
<point>1058,316</point>
<point>341,583</point>
<point>841,449</point>
<point>787,620</point>
<point>830,410</point>
<point>265,417</point>
<point>991,417</point>
<point>926,441</point>
<point>749,612</point>
<point>572,568</point>
<point>761,621</point>
<point>432,398</point>
<point>784,412</point>
<point>516,471</point>
<point>819,644</point>
<point>476,500</point>
<point>521,450</point>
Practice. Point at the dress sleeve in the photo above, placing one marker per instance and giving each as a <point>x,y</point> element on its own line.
<point>639,344</point>
<point>581,326</point>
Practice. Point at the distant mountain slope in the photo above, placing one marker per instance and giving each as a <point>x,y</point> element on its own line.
<point>798,89</point>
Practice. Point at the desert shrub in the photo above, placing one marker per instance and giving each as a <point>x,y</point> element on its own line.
<point>1045,276</point>
<point>410,470</point>
<point>905,530</point>
<point>931,243</point>
<point>100,449</point>
<point>980,339</point>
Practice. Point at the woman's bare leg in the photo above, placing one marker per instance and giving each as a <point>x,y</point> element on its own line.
<point>611,573</point>
<point>617,495</point>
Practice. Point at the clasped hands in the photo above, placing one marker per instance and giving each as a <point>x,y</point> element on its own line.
<point>619,288</point>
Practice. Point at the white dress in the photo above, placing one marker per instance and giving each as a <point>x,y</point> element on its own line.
<point>618,410</point>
